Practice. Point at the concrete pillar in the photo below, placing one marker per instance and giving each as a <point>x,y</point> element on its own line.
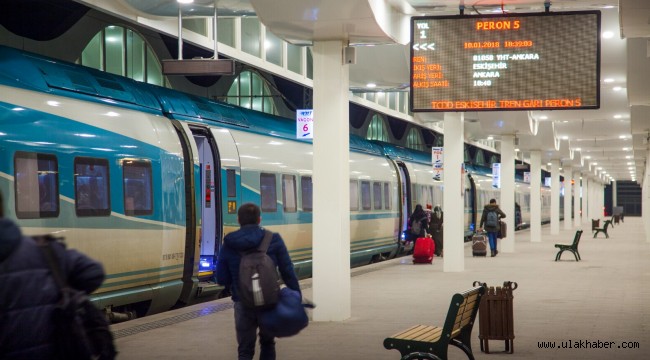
<point>331,163</point>
<point>568,196</point>
<point>614,195</point>
<point>586,213</point>
<point>555,197</point>
<point>535,196</point>
<point>453,194</point>
<point>645,198</point>
<point>507,201</point>
<point>576,200</point>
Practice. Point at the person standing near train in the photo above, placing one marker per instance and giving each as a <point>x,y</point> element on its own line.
<point>435,228</point>
<point>418,223</point>
<point>248,237</point>
<point>492,214</point>
<point>28,292</point>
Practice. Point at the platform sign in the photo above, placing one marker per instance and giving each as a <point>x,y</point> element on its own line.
<point>527,177</point>
<point>547,181</point>
<point>496,175</point>
<point>517,61</point>
<point>437,158</point>
<point>305,124</point>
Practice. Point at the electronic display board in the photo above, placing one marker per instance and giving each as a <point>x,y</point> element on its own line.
<point>528,61</point>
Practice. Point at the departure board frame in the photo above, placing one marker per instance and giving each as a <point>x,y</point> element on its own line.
<point>505,62</point>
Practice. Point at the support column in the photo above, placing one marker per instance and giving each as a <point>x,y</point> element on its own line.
<point>614,195</point>
<point>555,197</point>
<point>453,230</point>
<point>568,197</point>
<point>645,198</point>
<point>535,196</point>
<point>331,184</point>
<point>586,219</point>
<point>507,202</point>
<point>576,200</point>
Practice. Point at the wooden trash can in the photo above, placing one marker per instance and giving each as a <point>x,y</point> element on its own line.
<point>496,316</point>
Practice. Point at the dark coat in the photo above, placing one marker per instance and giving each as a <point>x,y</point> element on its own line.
<point>486,210</point>
<point>28,292</point>
<point>247,238</point>
<point>424,224</point>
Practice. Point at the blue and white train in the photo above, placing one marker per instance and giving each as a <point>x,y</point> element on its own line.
<point>148,180</point>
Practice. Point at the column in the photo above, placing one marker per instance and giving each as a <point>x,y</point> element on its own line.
<point>576,199</point>
<point>535,196</point>
<point>555,197</point>
<point>331,163</point>
<point>507,244</point>
<point>614,195</point>
<point>453,230</point>
<point>568,196</point>
<point>585,199</point>
<point>645,198</point>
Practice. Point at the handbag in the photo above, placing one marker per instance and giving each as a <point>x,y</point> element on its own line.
<point>288,317</point>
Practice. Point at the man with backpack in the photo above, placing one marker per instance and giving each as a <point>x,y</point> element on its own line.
<point>239,248</point>
<point>29,293</point>
<point>492,214</point>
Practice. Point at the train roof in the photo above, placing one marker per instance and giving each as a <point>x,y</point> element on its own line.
<point>39,73</point>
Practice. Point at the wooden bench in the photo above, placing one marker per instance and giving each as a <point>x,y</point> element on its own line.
<point>603,229</point>
<point>431,342</point>
<point>573,247</point>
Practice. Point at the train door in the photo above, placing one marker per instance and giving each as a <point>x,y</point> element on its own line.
<point>210,200</point>
<point>404,183</point>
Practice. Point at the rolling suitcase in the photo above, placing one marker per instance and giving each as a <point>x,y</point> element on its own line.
<point>423,251</point>
<point>479,245</point>
<point>503,230</point>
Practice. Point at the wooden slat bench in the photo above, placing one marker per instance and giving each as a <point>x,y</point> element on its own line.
<point>431,342</point>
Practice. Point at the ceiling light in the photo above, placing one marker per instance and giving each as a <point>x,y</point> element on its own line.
<point>371,85</point>
<point>618,116</point>
<point>608,35</point>
<point>628,157</point>
<point>577,149</point>
<point>490,138</point>
<point>608,80</point>
<point>617,88</point>
<point>516,150</point>
<point>626,149</point>
<point>594,163</point>
<point>630,163</point>
<point>630,168</point>
<point>543,117</point>
<point>587,157</point>
<point>599,168</point>
<point>185,1</point>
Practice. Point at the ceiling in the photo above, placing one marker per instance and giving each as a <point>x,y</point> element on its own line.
<point>612,140</point>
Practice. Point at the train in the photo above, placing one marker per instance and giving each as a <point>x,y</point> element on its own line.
<point>148,180</point>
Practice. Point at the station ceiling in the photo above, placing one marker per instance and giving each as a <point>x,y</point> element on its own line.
<point>612,140</point>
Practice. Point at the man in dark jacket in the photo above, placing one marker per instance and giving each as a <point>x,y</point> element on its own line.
<point>490,212</point>
<point>248,237</point>
<point>28,292</point>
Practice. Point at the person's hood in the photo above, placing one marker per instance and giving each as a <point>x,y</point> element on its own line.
<point>10,236</point>
<point>491,206</point>
<point>248,237</point>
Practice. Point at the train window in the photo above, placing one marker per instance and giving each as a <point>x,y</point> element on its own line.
<point>268,192</point>
<point>365,195</point>
<point>91,182</point>
<point>354,195</point>
<point>386,196</point>
<point>289,193</point>
<point>36,185</point>
<point>376,195</point>
<point>231,183</point>
<point>306,187</point>
<point>138,189</point>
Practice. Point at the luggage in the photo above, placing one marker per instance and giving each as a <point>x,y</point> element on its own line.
<point>503,230</point>
<point>479,245</point>
<point>423,250</point>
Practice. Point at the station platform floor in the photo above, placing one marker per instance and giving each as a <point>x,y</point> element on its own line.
<point>568,304</point>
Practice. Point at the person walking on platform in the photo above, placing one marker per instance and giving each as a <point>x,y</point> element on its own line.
<point>435,228</point>
<point>418,224</point>
<point>248,237</point>
<point>492,214</point>
<point>28,292</point>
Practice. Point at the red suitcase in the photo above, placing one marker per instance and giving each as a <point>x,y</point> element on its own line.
<point>423,251</point>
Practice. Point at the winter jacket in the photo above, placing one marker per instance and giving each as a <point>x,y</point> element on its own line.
<point>486,210</point>
<point>246,238</point>
<point>28,292</point>
<point>424,224</point>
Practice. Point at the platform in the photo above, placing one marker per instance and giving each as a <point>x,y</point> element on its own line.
<point>605,298</point>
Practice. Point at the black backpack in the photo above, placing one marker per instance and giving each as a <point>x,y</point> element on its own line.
<point>258,278</point>
<point>492,219</point>
<point>81,330</point>
<point>416,226</point>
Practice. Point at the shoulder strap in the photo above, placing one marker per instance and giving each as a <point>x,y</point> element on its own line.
<point>45,243</point>
<point>266,241</point>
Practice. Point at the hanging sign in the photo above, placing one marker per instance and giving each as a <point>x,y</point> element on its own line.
<point>305,124</point>
<point>527,177</point>
<point>496,175</point>
<point>437,158</point>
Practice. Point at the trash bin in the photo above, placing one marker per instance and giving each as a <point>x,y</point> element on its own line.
<point>496,316</point>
